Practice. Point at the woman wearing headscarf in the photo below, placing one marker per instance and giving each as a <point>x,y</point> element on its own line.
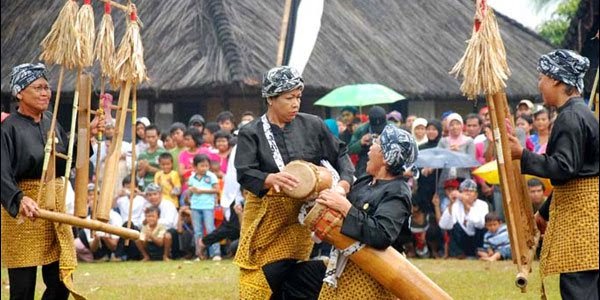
<point>375,213</point>
<point>27,244</point>
<point>419,131</point>
<point>456,141</point>
<point>426,181</point>
<point>272,240</point>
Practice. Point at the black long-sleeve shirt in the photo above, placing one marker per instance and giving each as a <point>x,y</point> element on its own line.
<point>22,155</point>
<point>572,150</point>
<point>379,212</point>
<point>305,138</point>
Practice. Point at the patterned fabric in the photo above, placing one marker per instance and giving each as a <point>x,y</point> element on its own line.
<point>338,259</point>
<point>270,231</point>
<point>399,148</point>
<point>355,284</point>
<point>23,75</point>
<point>272,144</point>
<point>281,79</point>
<point>571,239</point>
<point>566,66</point>
<point>468,185</point>
<point>38,243</point>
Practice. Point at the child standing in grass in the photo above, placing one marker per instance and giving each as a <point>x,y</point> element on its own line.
<point>168,179</point>
<point>203,189</point>
<point>496,243</point>
<point>151,242</point>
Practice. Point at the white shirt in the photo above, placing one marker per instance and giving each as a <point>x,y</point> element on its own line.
<point>231,187</point>
<point>469,222</point>
<point>479,139</point>
<point>168,213</point>
<point>137,215</point>
<point>114,219</point>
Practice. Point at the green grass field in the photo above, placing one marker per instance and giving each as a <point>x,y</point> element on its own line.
<point>462,279</point>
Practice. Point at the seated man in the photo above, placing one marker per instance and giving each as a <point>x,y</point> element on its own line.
<point>152,238</point>
<point>185,231</point>
<point>465,219</point>
<point>536,193</point>
<point>496,243</point>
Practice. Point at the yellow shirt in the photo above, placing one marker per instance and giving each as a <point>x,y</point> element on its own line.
<point>170,185</point>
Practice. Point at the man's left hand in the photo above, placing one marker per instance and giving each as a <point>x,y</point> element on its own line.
<point>335,201</point>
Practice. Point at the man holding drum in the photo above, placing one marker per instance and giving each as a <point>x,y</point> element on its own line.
<point>272,240</point>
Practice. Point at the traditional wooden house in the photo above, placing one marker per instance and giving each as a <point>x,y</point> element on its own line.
<point>208,56</point>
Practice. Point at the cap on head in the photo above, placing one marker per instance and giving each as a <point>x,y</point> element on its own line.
<point>468,185</point>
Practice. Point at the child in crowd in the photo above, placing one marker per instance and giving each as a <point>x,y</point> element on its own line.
<point>168,179</point>
<point>185,230</point>
<point>439,206</point>
<point>215,168</point>
<point>203,188</point>
<point>151,241</point>
<point>496,243</point>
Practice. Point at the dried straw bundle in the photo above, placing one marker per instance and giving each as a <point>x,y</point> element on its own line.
<point>87,33</point>
<point>483,66</point>
<point>105,44</point>
<point>61,45</point>
<point>130,56</point>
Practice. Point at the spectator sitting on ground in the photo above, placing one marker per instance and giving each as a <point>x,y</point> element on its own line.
<point>153,237</point>
<point>426,234</point>
<point>168,218</point>
<point>121,205</point>
<point>185,230</point>
<point>90,247</point>
<point>465,219</point>
<point>496,243</point>
<point>536,193</point>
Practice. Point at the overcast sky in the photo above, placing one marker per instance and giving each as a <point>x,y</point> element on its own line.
<point>523,11</point>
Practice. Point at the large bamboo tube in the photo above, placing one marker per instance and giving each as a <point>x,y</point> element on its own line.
<point>109,181</point>
<point>388,267</point>
<point>82,165</point>
<point>87,223</point>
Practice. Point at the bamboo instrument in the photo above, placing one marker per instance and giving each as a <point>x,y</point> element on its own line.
<point>87,223</point>
<point>82,166</point>
<point>132,185</point>
<point>283,34</point>
<point>104,108</point>
<point>60,46</point>
<point>484,70</point>
<point>388,267</point>
<point>69,157</point>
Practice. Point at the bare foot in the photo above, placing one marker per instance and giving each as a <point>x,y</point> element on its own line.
<point>165,258</point>
<point>146,259</point>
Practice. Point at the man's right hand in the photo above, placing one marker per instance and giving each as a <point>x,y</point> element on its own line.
<point>28,208</point>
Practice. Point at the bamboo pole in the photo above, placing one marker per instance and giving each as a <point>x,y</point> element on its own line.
<point>283,34</point>
<point>86,223</point>
<point>49,148</point>
<point>132,184</point>
<point>113,156</point>
<point>71,136</point>
<point>82,166</point>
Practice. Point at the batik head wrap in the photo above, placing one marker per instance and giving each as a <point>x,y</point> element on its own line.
<point>281,79</point>
<point>399,148</point>
<point>23,75</point>
<point>565,66</point>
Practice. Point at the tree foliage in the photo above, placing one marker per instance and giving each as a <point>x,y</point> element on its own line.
<point>555,29</point>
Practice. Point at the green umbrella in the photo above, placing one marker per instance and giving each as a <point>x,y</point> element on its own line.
<point>359,95</point>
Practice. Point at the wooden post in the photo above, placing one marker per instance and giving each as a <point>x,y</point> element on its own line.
<point>283,34</point>
<point>82,164</point>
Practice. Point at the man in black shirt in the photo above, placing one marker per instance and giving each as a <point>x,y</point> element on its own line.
<point>571,163</point>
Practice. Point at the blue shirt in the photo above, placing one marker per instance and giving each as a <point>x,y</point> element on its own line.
<point>497,240</point>
<point>203,201</point>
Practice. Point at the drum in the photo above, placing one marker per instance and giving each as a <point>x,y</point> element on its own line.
<point>388,267</point>
<point>313,179</point>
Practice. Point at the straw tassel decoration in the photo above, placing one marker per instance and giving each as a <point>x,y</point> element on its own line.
<point>87,31</point>
<point>105,44</point>
<point>130,56</point>
<point>483,66</point>
<point>61,45</point>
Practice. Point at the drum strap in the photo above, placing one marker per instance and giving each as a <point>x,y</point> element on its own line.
<point>337,262</point>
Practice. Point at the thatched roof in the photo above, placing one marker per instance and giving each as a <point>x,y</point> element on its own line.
<point>193,46</point>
